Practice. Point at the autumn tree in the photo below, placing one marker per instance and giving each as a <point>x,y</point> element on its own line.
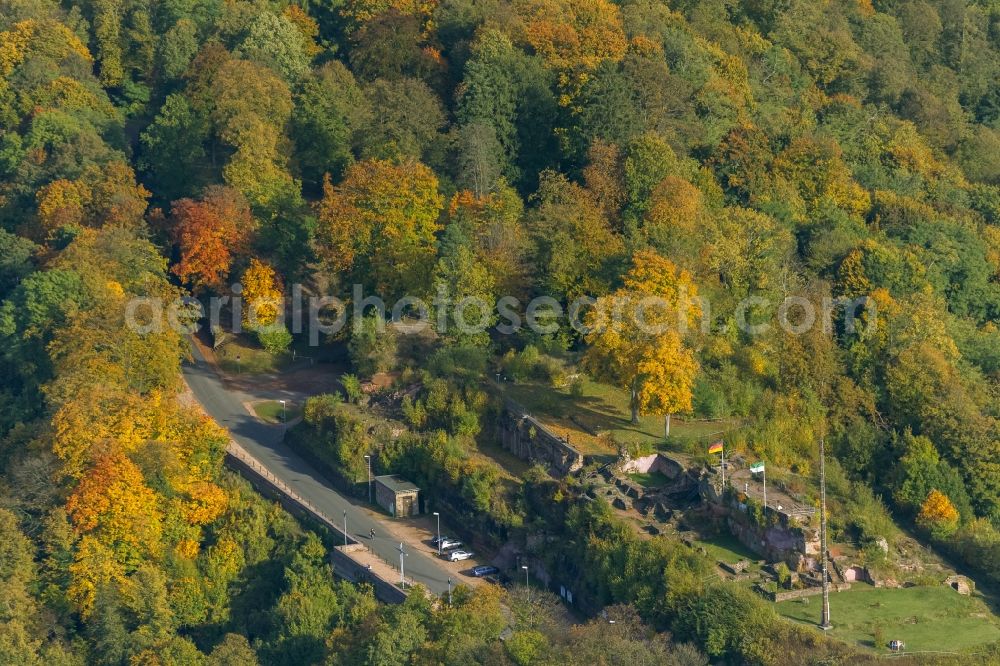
<point>379,225</point>
<point>105,195</point>
<point>676,221</point>
<point>604,176</point>
<point>746,249</point>
<point>113,503</point>
<point>635,337</point>
<point>210,234</point>
<point>261,295</point>
<point>252,105</point>
<point>573,37</point>
<point>492,226</point>
<point>574,244</point>
<point>937,514</point>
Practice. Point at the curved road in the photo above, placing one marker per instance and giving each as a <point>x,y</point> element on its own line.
<point>265,443</point>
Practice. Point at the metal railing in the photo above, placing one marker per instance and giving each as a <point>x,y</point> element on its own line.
<point>241,454</point>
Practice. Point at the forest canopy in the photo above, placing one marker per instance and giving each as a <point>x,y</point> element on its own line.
<point>559,148</point>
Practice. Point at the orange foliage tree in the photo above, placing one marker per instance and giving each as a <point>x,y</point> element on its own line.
<point>113,503</point>
<point>573,34</point>
<point>210,234</point>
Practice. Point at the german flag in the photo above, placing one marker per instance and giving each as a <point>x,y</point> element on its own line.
<point>716,447</point>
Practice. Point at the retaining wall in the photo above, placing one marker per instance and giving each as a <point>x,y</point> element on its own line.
<point>525,437</point>
<point>343,564</point>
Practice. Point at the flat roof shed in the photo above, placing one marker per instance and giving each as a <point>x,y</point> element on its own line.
<point>397,495</point>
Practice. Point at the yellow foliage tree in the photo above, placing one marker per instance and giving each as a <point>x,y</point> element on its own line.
<point>207,502</point>
<point>362,11</point>
<point>938,514</point>
<point>307,26</point>
<point>48,38</point>
<point>261,295</point>
<point>573,37</point>
<point>113,504</point>
<point>103,196</point>
<point>992,237</point>
<point>816,169</point>
<point>94,565</point>
<point>676,221</point>
<point>383,216</point>
<point>573,34</point>
<point>635,337</point>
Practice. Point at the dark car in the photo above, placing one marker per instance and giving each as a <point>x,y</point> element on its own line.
<point>485,570</point>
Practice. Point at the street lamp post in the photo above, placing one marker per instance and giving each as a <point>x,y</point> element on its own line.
<point>284,414</point>
<point>438,515</point>
<point>402,572</point>
<point>345,527</point>
<point>527,589</point>
<point>368,459</point>
<point>449,590</point>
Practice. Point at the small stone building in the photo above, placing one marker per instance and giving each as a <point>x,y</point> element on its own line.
<point>396,495</point>
<point>960,584</point>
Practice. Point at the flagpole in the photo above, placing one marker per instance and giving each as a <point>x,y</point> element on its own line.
<point>824,622</point>
<point>765,488</point>
<point>723,468</point>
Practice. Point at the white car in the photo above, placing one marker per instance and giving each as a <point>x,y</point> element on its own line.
<point>448,544</point>
<point>459,555</point>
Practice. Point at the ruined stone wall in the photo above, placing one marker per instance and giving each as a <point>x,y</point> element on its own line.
<point>525,437</point>
<point>653,463</point>
<point>781,539</point>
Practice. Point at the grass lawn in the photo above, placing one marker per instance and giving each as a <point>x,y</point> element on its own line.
<point>726,548</point>
<point>602,408</point>
<point>253,360</point>
<point>651,480</point>
<point>513,466</point>
<point>270,411</point>
<point>924,618</point>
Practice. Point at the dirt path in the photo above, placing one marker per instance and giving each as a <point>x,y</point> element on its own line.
<point>297,383</point>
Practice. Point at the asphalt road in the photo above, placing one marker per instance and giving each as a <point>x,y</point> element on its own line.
<point>264,442</point>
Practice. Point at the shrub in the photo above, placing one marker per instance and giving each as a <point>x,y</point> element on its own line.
<point>320,409</point>
<point>519,366</point>
<point>352,387</point>
<point>275,338</point>
<point>373,346</point>
<point>938,515</point>
<point>784,575</point>
<point>550,371</point>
